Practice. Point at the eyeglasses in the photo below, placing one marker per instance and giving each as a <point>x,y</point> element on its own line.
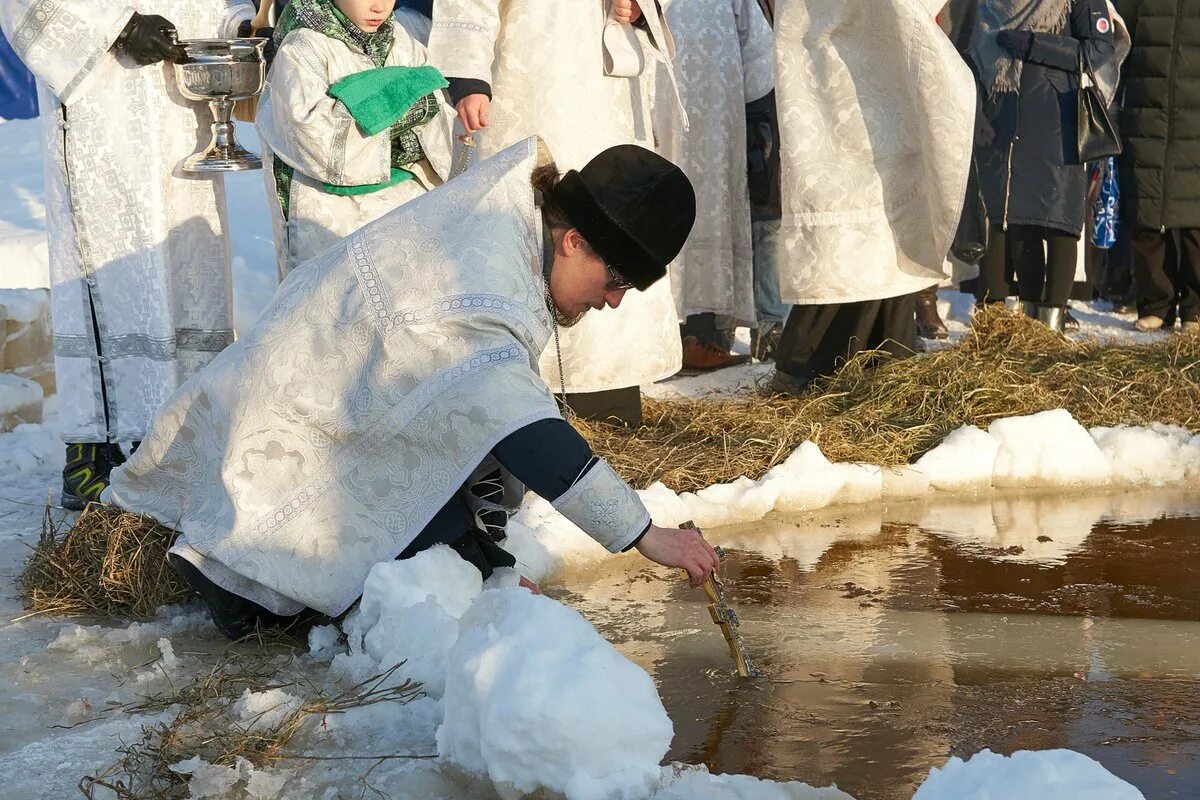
<point>616,280</point>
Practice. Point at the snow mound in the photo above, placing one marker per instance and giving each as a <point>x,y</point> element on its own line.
<point>536,698</point>
<point>29,448</point>
<point>409,613</point>
<point>1153,456</point>
<point>1047,449</point>
<point>1026,773</point>
<point>682,782</point>
<point>963,461</point>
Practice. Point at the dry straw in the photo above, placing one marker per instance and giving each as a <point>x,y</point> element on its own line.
<point>207,726</point>
<point>108,562</point>
<point>883,410</point>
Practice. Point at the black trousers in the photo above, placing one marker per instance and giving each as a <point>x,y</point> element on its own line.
<point>1166,272</point>
<point>995,270</point>
<point>1045,263</point>
<point>816,340</point>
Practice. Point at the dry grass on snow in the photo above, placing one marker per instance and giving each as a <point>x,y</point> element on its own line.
<point>888,411</point>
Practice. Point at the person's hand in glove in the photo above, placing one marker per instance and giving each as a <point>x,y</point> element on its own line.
<point>244,31</point>
<point>1017,43</point>
<point>148,39</point>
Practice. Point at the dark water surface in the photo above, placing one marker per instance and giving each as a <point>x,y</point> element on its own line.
<point>893,637</point>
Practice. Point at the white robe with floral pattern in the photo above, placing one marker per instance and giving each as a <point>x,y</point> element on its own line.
<point>548,62</point>
<point>139,255</point>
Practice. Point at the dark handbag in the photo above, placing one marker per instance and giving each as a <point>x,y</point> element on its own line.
<point>971,239</point>
<point>1096,132</point>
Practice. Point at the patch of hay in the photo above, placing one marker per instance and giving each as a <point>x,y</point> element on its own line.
<point>109,562</point>
<point>878,409</point>
<point>206,726</point>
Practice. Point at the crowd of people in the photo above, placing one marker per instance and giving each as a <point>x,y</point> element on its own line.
<point>454,183</point>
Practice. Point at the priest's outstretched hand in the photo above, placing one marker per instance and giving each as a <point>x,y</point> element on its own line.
<point>683,548</point>
<point>626,11</point>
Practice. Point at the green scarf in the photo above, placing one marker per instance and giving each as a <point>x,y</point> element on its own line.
<point>324,17</point>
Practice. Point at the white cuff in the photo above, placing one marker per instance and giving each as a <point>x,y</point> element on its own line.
<point>604,507</point>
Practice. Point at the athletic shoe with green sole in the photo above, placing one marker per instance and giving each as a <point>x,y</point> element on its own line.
<point>86,474</point>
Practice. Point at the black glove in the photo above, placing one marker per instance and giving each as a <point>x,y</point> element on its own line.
<point>149,39</point>
<point>244,31</point>
<point>1018,43</point>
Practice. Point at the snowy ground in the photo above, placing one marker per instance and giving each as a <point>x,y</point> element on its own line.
<point>522,692</point>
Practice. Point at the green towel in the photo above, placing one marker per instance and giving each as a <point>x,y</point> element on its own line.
<point>377,98</point>
<point>398,176</point>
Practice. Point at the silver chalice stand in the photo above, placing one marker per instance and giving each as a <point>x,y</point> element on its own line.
<point>222,71</point>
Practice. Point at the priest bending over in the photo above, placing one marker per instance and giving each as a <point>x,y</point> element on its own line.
<point>388,399</point>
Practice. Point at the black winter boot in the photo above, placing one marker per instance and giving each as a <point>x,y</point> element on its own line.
<point>234,616</point>
<point>85,476</point>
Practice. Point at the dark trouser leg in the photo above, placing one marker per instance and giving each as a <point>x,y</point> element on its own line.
<point>803,330</point>
<point>623,406</point>
<point>1153,255</point>
<point>1188,282</point>
<point>821,338</point>
<point>1061,258</point>
<point>702,326</point>
<point>993,270</point>
<point>1029,259</point>
<point>893,331</point>
<point>454,525</point>
<point>1117,284</point>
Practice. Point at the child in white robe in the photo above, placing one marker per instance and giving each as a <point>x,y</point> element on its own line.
<point>353,121</point>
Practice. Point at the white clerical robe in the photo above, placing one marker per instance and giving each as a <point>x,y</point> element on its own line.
<point>378,379</point>
<point>724,59</point>
<point>548,63</point>
<point>139,255</point>
<point>311,131</point>
<point>876,113</point>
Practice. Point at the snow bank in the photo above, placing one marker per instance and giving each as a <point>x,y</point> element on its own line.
<point>31,448</point>
<point>535,698</point>
<point>689,783</point>
<point>1026,773</point>
<point>1045,450</point>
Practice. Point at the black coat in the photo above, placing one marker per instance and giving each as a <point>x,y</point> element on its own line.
<point>1160,118</point>
<point>1030,174</point>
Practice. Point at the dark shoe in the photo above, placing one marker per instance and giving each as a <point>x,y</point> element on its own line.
<point>785,383</point>
<point>85,476</point>
<point>929,321</point>
<point>235,617</point>
<point>703,356</point>
<point>764,343</point>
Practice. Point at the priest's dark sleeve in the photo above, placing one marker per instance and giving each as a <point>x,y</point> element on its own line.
<point>557,464</point>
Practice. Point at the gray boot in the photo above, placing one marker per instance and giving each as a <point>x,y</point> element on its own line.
<point>1052,317</point>
<point>1028,309</point>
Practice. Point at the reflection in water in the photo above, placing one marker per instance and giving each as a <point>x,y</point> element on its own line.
<point>895,636</point>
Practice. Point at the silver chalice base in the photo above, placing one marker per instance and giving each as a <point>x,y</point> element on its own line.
<point>221,72</point>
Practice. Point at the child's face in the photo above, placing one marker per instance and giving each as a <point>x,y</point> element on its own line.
<point>368,15</point>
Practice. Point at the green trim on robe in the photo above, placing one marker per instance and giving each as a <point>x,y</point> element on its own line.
<point>378,98</point>
<point>398,176</point>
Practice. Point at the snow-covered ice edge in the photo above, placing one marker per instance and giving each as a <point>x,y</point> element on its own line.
<point>1049,450</point>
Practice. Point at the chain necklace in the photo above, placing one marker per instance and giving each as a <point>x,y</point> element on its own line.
<point>562,382</point>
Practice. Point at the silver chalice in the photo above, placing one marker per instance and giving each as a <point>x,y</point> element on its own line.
<point>222,71</point>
